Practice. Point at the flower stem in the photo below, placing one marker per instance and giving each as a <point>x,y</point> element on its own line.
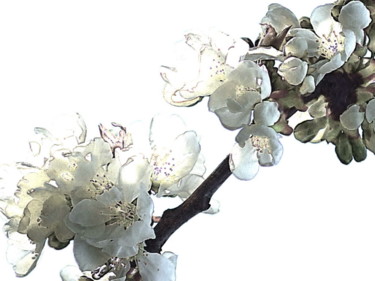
<point>198,201</point>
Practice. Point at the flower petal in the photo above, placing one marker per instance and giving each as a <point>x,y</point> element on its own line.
<point>266,113</point>
<point>370,111</point>
<point>156,267</point>
<point>89,213</point>
<point>352,118</point>
<point>279,17</point>
<point>322,21</point>
<point>244,161</point>
<point>308,85</point>
<point>355,16</point>
<point>87,256</point>
<point>293,70</point>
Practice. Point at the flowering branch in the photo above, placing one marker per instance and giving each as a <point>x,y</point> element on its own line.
<point>199,201</point>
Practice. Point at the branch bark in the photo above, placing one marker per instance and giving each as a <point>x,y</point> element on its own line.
<point>199,201</point>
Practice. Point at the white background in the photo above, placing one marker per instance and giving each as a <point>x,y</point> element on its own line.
<point>309,218</point>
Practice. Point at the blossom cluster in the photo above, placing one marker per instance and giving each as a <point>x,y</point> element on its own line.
<point>313,77</point>
<point>99,194</point>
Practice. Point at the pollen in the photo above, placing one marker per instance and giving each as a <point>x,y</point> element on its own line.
<point>331,44</point>
<point>261,144</point>
<point>124,214</point>
<point>163,166</point>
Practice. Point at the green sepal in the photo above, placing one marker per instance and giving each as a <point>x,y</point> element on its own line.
<point>358,148</point>
<point>55,243</point>
<point>368,135</point>
<point>282,127</point>
<point>344,149</point>
<point>305,23</point>
<point>307,130</point>
<point>332,131</point>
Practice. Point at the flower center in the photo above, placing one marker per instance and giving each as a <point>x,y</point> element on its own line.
<point>241,90</point>
<point>261,144</point>
<point>163,166</point>
<point>216,60</point>
<point>100,183</point>
<point>331,44</point>
<point>124,214</point>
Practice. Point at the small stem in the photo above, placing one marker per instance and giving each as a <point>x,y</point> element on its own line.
<point>198,201</point>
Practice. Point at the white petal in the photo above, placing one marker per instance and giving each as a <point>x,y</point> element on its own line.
<point>322,21</point>
<point>330,65</point>
<point>88,213</point>
<point>244,161</point>
<point>296,47</point>
<point>280,17</point>
<point>134,176</point>
<point>370,111</point>
<point>164,128</point>
<point>22,253</point>
<point>308,85</point>
<point>233,120</point>
<point>266,113</point>
<point>352,118</point>
<point>218,99</point>
<point>87,256</point>
<point>70,273</point>
<point>293,70</point>
<point>355,16</point>
<point>155,267</point>
<point>263,53</point>
<point>349,43</point>
<point>310,37</point>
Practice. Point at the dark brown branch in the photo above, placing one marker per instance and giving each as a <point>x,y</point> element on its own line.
<point>198,202</point>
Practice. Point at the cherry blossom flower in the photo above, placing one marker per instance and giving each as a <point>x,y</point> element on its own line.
<point>235,99</point>
<point>202,72</point>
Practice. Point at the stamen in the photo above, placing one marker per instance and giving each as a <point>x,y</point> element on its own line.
<point>331,44</point>
<point>261,144</point>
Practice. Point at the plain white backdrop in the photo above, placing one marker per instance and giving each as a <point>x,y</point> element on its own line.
<point>309,218</point>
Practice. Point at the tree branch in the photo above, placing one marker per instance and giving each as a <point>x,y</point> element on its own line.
<point>199,201</point>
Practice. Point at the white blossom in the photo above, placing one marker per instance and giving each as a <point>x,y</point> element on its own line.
<point>235,99</point>
<point>201,72</point>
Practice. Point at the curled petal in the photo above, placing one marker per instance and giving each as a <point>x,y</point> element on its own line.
<point>293,70</point>
<point>279,17</point>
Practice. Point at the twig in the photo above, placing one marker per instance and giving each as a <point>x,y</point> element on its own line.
<point>199,201</point>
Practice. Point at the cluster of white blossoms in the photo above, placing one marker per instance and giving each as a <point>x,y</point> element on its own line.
<point>313,77</point>
<point>321,65</point>
<point>237,95</point>
<point>99,195</point>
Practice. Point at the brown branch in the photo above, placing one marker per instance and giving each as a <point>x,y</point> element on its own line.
<point>199,201</point>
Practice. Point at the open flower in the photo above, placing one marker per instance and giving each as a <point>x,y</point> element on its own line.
<point>333,40</point>
<point>330,42</point>
<point>235,99</point>
<point>257,144</point>
<point>200,74</point>
<point>172,151</point>
<point>116,221</point>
